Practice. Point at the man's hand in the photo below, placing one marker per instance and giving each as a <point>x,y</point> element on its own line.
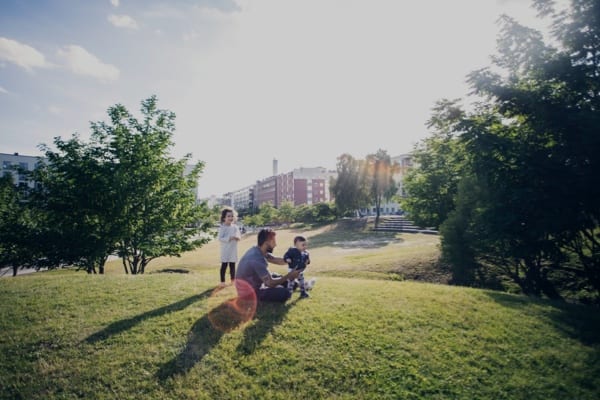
<point>293,274</point>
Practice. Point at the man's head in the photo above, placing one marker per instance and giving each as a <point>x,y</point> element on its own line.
<point>300,243</point>
<point>266,239</point>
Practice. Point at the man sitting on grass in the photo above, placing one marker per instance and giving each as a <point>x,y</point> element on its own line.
<point>252,269</point>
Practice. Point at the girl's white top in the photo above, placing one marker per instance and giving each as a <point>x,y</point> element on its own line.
<point>229,247</point>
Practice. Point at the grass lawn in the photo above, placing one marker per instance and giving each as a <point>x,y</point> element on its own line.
<point>367,332</point>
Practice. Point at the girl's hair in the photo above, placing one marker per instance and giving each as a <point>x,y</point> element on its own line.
<point>226,210</point>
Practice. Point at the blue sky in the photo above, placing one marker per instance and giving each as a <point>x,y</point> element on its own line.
<point>250,80</point>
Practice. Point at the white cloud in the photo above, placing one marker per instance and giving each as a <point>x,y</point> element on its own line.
<point>115,3</point>
<point>80,61</point>
<point>21,54</point>
<point>2,90</point>
<point>123,21</point>
<point>191,35</point>
<point>54,109</point>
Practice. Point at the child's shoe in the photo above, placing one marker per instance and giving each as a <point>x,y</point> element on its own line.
<point>304,295</point>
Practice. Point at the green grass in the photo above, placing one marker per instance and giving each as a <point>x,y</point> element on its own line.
<point>68,335</point>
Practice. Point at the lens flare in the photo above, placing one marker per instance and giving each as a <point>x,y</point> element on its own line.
<point>231,306</point>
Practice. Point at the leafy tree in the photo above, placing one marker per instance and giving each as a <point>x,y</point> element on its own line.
<point>438,167</point>
<point>268,213</point>
<point>380,175</point>
<point>324,212</point>
<point>532,154</point>
<point>158,213</point>
<point>304,213</point>
<point>75,207</point>
<point>316,213</point>
<point>286,212</point>
<point>254,220</point>
<point>17,234</point>
<point>349,188</point>
<point>122,193</point>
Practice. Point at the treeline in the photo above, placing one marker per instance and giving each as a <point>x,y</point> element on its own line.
<point>120,193</point>
<point>513,179</point>
<point>287,213</point>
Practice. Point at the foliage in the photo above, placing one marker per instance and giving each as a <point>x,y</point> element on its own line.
<point>121,192</point>
<point>349,188</point>
<point>438,167</point>
<point>158,211</point>
<point>530,157</point>
<point>17,230</point>
<point>76,212</point>
<point>286,212</point>
<point>380,178</point>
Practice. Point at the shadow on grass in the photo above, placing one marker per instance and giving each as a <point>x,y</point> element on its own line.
<point>171,271</point>
<point>579,322</point>
<point>353,234</point>
<point>268,316</point>
<point>125,324</point>
<point>206,333</point>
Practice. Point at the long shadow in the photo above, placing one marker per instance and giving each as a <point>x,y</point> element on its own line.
<point>268,316</point>
<point>579,322</point>
<point>125,324</point>
<point>206,333</point>
<point>201,339</point>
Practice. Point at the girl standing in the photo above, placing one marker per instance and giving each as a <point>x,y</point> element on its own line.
<point>229,235</point>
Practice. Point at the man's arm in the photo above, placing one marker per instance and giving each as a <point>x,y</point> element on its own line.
<point>275,260</point>
<point>270,282</point>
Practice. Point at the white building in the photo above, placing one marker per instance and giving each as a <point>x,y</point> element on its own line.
<point>11,163</point>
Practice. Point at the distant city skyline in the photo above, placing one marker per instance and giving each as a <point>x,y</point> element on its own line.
<point>299,81</point>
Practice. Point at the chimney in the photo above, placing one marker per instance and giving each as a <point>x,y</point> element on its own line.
<point>274,167</point>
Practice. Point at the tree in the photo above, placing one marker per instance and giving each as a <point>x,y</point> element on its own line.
<point>285,212</point>
<point>158,215</point>
<point>380,173</point>
<point>432,184</point>
<point>121,192</point>
<point>532,154</point>
<point>17,244</point>
<point>349,188</point>
<point>268,213</point>
<point>75,206</point>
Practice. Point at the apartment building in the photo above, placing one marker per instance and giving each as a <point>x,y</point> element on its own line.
<point>11,163</point>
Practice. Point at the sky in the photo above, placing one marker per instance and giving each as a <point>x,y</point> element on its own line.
<point>300,81</point>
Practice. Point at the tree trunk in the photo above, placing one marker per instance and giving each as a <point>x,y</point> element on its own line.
<point>125,265</point>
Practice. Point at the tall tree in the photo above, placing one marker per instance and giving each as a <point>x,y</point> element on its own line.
<point>74,204</point>
<point>120,193</point>
<point>533,153</point>
<point>17,230</point>
<point>349,188</point>
<point>381,170</point>
<point>158,213</point>
<point>438,160</point>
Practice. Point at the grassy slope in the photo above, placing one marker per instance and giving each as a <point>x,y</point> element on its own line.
<point>69,335</point>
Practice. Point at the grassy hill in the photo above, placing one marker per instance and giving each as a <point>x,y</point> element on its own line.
<point>367,332</point>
